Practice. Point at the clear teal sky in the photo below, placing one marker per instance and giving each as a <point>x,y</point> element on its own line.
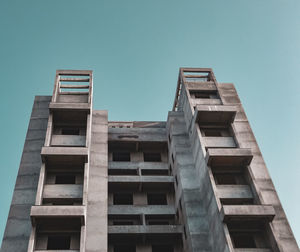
<point>135,48</point>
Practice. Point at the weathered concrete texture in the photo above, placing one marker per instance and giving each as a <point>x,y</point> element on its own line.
<point>262,182</point>
<point>18,227</point>
<point>188,192</point>
<point>96,218</point>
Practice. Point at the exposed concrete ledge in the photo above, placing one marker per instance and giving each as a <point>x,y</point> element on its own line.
<point>37,212</point>
<point>201,86</point>
<point>64,151</point>
<point>155,229</point>
<point>137,165</point>
<point>70,106</point>
<point>234,192</point>
<point>137,134</point>
<point>247,212</point>
<point>215,114</point>
<point>161,210</point>
<point>252,250</point>
<point>140,179</point>
<point>228,157</point>
<point>69,250</point>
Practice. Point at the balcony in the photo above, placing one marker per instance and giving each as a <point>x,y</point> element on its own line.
<point>140,183</point>
<point>46,212</point>
<point>147,210</point>
<point>215,114</point>
<point>62,191</point>
<point>247,212</point>
<point>234,192</point>
<point>62,154</point>
<point>68,140</point>
<point>219,142</point>
<point>228,157</point>
<point>143,229</point>
<point>252,250</point>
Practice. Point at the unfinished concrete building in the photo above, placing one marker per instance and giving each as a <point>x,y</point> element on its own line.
<point>196,182</point>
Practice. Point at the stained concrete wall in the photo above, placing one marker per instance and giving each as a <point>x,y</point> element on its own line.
<point>96,216</point>
<point>261,179</point>
<point>18,227</point>
<point>188,189</point>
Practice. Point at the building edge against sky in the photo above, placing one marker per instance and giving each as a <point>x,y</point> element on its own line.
<point>196,182</point>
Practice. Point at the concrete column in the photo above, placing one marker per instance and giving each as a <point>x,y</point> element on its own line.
<point>96,218</point>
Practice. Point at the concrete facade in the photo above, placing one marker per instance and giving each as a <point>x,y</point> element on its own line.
<point>196,182</point>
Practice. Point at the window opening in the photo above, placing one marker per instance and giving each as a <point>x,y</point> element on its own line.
<point>70,131</point>
<point>121,156</point>
<point>59,242</point>
<point>124,248</point>
<point>123,199</point>
<point>150,172</point>
<point>65,179</point>
<point>157,199</point>
<point>122,172</point>
<point>152,157</point>
<point>162,248</point>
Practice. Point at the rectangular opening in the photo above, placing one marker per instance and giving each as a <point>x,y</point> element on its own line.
<point>152,157</point>
<point>176,180</point>
<point>247,235</point>
<point>58,242</point>
<point>245,240</point>
<point>160,219</point>
<point>155,172</point>
<point>70,131</point>
<point>210,94</point>
<point>230,179</point>
<point>215,131</point>
<point>123,223</point>
<point>123,198</point>
<point>162,248</point>
<point>237,201</point>
<point>157,199</point>
<point>122,172</point>
<point>124,248</point>
<point>121,156</point>
<point>124,220</point>
<point>65,179</point>
<point>62,202</point>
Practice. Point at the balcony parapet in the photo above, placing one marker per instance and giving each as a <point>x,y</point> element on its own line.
<point>140,179</point>
<point>252,250</point>
<point>228,157</point>
<point>67,250</point>
<point>143,229</point>
<point>137,165</point>
<point>146,210</point>
<point>64,151</point>
<point>247,212</point>
<point>62,191</point>
<point>70,106</point>
<point>42,212</point>
<point>218,114</point>
<point>68,140</point>
<point>219,142</point>
<point>234,192</point>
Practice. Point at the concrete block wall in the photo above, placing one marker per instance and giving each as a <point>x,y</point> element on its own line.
<point>18,227</point>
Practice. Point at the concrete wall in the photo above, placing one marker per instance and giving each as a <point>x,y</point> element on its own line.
<point>262,181</point>
<point>18,227</point>
<point>96,217</point>
<point>187,190</point>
